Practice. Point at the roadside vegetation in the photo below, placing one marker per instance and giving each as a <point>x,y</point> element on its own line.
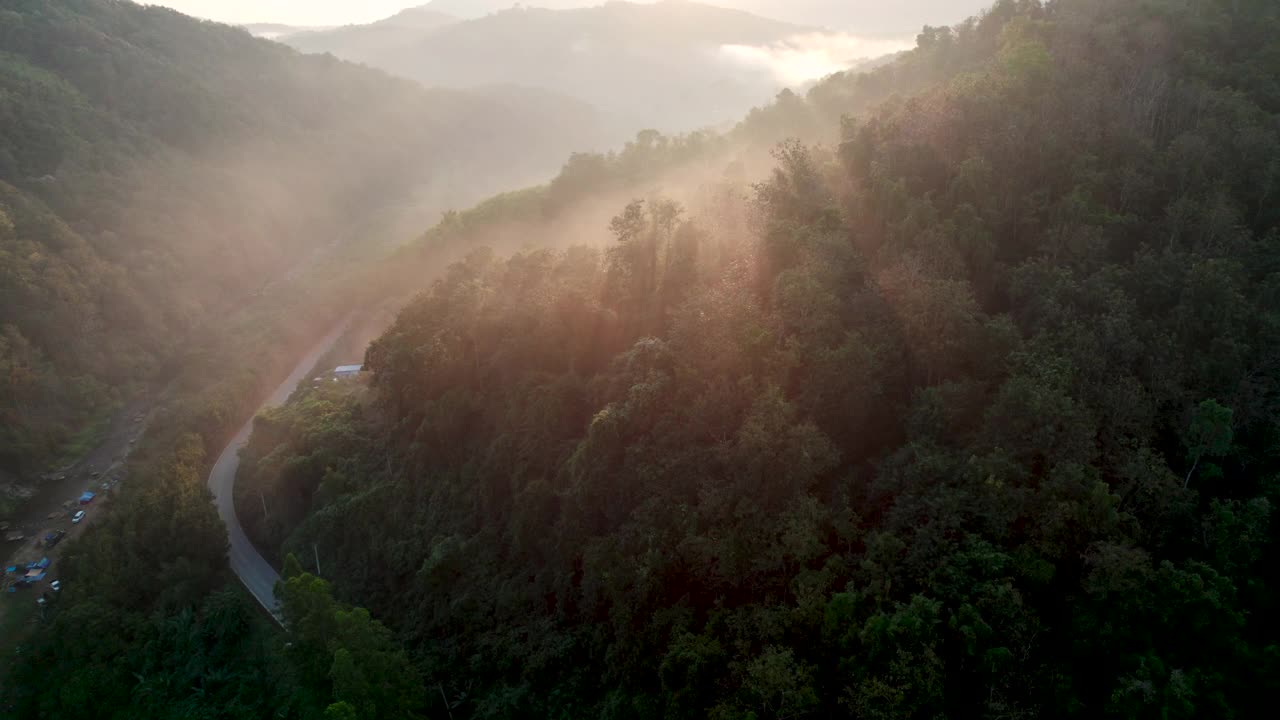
<point>970,412</point>
<point>964,405</point>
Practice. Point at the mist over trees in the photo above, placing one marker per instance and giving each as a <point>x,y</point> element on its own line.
<point>970,413</point>
<point>964,404</point>
<point>661,65</point>
<point>156,170</point>
<point>904,17</point>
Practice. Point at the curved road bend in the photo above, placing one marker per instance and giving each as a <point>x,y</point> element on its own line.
<point>247,563</point>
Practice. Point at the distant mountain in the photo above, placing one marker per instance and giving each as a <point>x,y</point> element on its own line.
<point>873,17</point>
<point>866,17</point>
<point>273,31</point>
<point>471,9</point>
<point>661,65</point>
<point>369,43</point>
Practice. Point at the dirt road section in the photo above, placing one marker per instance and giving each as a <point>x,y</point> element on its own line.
<point>51,508</point>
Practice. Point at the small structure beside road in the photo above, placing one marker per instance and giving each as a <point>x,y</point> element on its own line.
<point>347,371</point>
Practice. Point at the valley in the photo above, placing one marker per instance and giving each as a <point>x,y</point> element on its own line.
<point>940,378</point>
<point>673,66</point>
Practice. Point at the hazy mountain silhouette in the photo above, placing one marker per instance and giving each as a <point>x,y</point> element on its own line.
<point>367,43</point>
<point>904,17</point>
<point>661,65</point>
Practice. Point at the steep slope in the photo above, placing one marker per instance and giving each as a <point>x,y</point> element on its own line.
<point>972,413</point>
<point>155,169</point>
<point>659,65</point>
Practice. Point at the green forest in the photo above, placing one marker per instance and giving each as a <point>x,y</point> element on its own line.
<point>966,406</point>
<point>157,171</point>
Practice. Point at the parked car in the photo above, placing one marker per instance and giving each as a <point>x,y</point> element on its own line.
<point>54,538</point>
<point>56,585</point>
<point>75,519</point>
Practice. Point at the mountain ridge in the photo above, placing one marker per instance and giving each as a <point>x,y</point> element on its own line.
<point>661,65</point>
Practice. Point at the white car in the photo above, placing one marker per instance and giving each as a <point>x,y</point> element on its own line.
<point>56,585</point>
<point>75,519</point>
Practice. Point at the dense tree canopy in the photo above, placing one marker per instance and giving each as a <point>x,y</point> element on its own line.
<point>974,414</point>
<point>156,171</point>
<point>969,410</point>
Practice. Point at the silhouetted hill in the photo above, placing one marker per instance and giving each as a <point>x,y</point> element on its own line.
<point>366,43</point>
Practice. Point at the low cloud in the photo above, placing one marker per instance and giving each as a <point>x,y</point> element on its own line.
<point>802,58</point>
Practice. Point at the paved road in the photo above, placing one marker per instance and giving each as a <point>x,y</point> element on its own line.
<point>247,563</point>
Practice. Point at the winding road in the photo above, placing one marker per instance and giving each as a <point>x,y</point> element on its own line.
<point>248,564</point>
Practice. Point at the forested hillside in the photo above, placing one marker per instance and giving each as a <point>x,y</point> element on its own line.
<point>969,410</point>
<point>156,170</point>
<point>965,408</point>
